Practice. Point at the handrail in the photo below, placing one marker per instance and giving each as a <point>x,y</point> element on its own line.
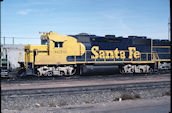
<point>19,60</point>
<point>161,46</point>
<point>153,54</point>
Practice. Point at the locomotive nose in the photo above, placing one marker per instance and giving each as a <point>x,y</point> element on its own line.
<point>82,49</point>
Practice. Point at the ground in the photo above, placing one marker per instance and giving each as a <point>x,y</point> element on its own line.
<point>150,105</point>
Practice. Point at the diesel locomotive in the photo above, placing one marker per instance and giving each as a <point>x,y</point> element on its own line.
<point>77,54</point>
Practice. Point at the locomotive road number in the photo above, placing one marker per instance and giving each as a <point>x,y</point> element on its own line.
<point>60,52</point>
<point>111,54</point>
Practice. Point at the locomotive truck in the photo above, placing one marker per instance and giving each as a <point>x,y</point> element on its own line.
<point>77,54</point>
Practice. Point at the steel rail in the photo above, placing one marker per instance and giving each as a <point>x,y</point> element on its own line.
<point>83,89</point>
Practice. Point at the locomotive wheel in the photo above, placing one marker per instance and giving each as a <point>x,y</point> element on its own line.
<point>73,72</point>
<point>122,71</point>
<point>150,70</point>
<point>50,73</point>
<point>141,70</point>
<point>132,70</point>
<point>62,73</point>
<point>38,74</point>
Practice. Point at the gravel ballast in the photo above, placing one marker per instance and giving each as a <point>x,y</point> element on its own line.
<point>20,102</point>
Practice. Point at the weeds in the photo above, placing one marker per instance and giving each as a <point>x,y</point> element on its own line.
<point>166,93</point>
<point>127,97</point>
<point>62,103</point>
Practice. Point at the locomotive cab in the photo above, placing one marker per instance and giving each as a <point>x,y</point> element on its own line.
<point>53,51</point>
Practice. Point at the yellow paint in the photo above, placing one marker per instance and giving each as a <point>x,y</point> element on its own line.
<point>49,54</point>
<point>116,54</point>
<point>151,48</point>
<point>19,56</point>
<point>102,54</point>
<point>109,54</point>
<point>94,51</point>
<point>133,52</point>
<point>133,62</point>
<point>136,54</point>
<point>161,46</point>
<point>122,54</point>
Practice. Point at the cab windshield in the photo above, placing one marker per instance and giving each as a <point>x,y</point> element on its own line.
<point>44,41</point>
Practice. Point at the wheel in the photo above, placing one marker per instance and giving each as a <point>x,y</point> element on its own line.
<point>122,71</point>
<point>50,73</point>
<point>73,72</point>
<point>131,71</point>
<point>62,73</point>
<point>38,74</point>
<point>150,70</point>
<point>141,70</point>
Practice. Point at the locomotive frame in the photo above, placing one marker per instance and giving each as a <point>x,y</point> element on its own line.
<point>65,55</point>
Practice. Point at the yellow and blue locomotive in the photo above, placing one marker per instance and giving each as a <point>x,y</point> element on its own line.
<point>82,53</point>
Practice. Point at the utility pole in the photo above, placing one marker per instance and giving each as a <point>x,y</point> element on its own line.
<point>4,40</point>
<point>169,30</point>
<point>0,35</point>
<point>13,40</point>
<point>169,23</point>
<point>0,21</point>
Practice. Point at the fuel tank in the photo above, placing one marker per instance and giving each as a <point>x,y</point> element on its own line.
<point>100,69</point>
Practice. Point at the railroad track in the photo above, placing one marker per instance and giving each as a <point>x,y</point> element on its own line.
<point>32,79</point>
<point>83,89</point>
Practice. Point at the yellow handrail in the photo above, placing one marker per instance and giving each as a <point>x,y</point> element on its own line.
<point>19,60</point>
<point>154,57</point>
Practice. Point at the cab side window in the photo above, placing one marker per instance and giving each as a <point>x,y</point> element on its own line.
<point>58,44</point>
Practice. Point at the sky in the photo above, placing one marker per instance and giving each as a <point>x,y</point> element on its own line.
<point>26,18</point>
